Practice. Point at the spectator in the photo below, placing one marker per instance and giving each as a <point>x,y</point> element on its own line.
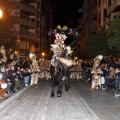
<point>27,77</point>
<point>12,75</point>
<point>117,77</point>
<point>3,87</point>
<point>110,78</point>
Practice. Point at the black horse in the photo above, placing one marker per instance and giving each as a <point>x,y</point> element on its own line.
<point>59,72</point>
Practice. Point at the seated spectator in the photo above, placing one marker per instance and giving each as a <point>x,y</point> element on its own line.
<point>17,83</point>
<point>3,87</point>
<point>110,78</point>
<point>117,77</point>
<point>20,78</point>
<point>8,85</point>
<point>5,77</point>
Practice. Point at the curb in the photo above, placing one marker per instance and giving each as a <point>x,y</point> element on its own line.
<point>9,100</point>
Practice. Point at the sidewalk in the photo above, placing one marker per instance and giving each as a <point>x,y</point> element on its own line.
<point>4,103</point>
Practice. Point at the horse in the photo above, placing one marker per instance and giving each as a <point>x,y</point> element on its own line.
<point>60,69</point>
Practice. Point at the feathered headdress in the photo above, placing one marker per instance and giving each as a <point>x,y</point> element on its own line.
<point>60,37</point>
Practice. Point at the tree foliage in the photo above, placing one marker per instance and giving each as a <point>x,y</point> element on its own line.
<point>113,34</point>
<point>105,42</point>
<point>96,44</point>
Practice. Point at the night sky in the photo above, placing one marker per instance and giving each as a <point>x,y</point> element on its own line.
<point>66,12</point>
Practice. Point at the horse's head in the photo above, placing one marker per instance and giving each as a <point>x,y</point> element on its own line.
<point>69,51</point>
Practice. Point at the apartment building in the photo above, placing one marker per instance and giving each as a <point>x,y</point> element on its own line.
<point>107,10</point>
<point>30,26</point>
<point>46,24</point>
<point>113,9</point>
<point>95,13</point>
<point>87,23</point>
<point>25,27</point>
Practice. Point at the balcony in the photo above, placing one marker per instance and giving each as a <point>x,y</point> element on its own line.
<point>26,7</point>
<point>114,7</point>
<point>27,22</point>
<point>27,35</point>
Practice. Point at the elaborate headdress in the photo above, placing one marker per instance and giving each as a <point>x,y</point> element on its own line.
<point>60,37</point>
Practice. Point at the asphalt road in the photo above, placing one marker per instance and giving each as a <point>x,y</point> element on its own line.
<point>36,104</point>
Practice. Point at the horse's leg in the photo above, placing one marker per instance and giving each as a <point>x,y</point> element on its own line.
<point>59,92</point>
<point>67,82</point>
<point>52,86</point>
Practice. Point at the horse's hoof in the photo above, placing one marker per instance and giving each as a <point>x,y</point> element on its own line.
<point>52,95</point>
<point>66,89</point>
<point>58,94</point>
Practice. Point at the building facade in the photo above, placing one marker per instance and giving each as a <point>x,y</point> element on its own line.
<point>31,21</point>
<point>25,27</point>
<point>87,23</point>
<point>95,13</point>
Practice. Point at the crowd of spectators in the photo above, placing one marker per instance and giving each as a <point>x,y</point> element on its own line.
<point>14,75</point>
<point>110,68</point>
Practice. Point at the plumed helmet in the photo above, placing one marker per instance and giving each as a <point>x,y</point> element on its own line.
<point>100,57</point>
<point>31,55</point>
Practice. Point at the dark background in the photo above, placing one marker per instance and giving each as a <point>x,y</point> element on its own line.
<point>66,12</point>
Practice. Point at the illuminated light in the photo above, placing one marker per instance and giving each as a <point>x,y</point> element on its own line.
<point>43,54</point>
<point>49,33</point>
<point>76,33</point>
<point>16,52</point>
<point>18,41</point>
<point>1,13</point>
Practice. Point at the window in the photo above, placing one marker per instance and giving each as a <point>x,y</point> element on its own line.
<point>105,14</point>
<point>109,3</point>
<point>98,2</point>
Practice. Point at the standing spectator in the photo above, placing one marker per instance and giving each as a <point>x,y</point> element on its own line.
<point>12,75</point>
<point>27,77</point>
<point>8,81</point>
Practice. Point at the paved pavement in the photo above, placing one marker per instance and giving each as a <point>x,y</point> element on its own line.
<point>103,103</point>
<point>77,104</point>
<point>36,104</point>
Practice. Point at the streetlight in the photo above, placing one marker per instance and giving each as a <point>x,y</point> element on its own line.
<point>1,13</point>
<point>18,41</point>
<point>43,54</point>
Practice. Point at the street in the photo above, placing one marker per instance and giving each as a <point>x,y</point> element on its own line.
<point>76,104</point>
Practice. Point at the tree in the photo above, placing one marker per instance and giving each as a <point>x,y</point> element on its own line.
<point>82,54</point>
<point>113,34</point>
<point>96,44</point>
